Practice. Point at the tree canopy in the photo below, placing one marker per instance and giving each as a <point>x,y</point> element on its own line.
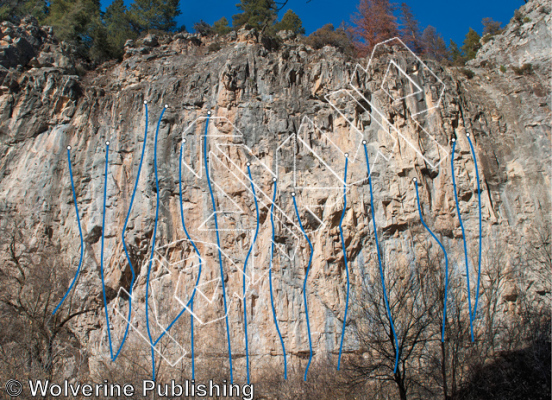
<point>146,15</point>
<point>373,23</point>
<point>472,43</point>
<point>101,35</point>
<point>222,26</point>
<point>291,22</point>
<point>258,14</point>
<point>410,29</point>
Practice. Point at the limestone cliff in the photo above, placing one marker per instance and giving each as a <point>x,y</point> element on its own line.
<point>291,112</point>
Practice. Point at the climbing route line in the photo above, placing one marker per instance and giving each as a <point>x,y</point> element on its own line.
<point>379,260</point>
<point>218,245</point>
<point>463,238</point>
<point>245,269</point>
<point>153,241</point>
<point>190,303</point>
<point>344,258</point>
<point>480,233</point>
<point>102,252</point>
<point>123,235</point>
<point>80,233</point>
<point>270,277</point>
<point>446,261</point>
<point>305,283</point>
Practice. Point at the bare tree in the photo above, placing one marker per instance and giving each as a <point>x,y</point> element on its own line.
<point>33,276</point>
<point>414,296</point>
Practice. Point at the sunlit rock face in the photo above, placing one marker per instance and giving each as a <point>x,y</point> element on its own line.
<point>291,113</point>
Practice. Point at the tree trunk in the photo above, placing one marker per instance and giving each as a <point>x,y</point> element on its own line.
<point>400,383</point>
<point>444,370</point>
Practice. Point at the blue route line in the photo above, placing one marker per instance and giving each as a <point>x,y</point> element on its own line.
<point>153,242</point>
<point>200,264</point>
<point>218,245</point>
<point>305,284</point>
<point>191,301</point>
<point>123,235</point>
<point>192,338</point>
<point>345,259</point>
<point>480,233</point>
<point>446,261</point>
<point>464,239</point>
<point>80,232</point>
<point>244,270</point>
<point>102,252</point>
<point>379,261</point>
<point>270,279</point>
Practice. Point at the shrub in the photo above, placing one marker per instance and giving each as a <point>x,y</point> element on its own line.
<point>329,36</point>
<point>525,69</point>
<point>491,27</point>
<point>221,26</point>
<point>468,73</point>
<point>203,28</point>
<point>503,69</point>
<point>487,38</point>
<point>526,20</point>
<point>214,47</point>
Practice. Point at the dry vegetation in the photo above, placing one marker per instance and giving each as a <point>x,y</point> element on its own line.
<point>509,359</point>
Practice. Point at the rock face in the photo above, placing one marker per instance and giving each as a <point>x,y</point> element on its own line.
<point>527,38</point>
<point>290,113</point>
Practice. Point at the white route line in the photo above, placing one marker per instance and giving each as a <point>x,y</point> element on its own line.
<point>134,328</point>
<point>287,221</point>
<point>419,91</point>
<point>395,130</point>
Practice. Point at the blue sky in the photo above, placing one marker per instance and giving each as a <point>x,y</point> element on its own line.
<point>451,19</point>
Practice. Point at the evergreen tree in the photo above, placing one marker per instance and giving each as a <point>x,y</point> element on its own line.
<point>99,47</point>
<point>374,22</point>
<point>291,22</point>
<point>222,26</point>
<point>118,27</point>
<point>259,14</point>
<point>434,45</point>
<point>145,15</point>
<point>76,22</point>
<point>410,30</point>
<point>455,54</point>
<point>13,10</point>
<point>203,28</point>
<point>472,43</point>
<point>491,27</point>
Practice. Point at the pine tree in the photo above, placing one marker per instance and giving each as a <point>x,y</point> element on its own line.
<point>491,27</point>
<point>99,47</point>
<point>410,30</point>
<point>291,22</point>
<point>221,26</point>
<point>434,45</point>
<point>472,43</point>
<point>75,21</point>
<point>13,10</point>
<point>374,22</point>
<point>145,15</point>
<point>203,28</point>
<point>259,14</point>
<point>455,54</point>
<point>118,27</point>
